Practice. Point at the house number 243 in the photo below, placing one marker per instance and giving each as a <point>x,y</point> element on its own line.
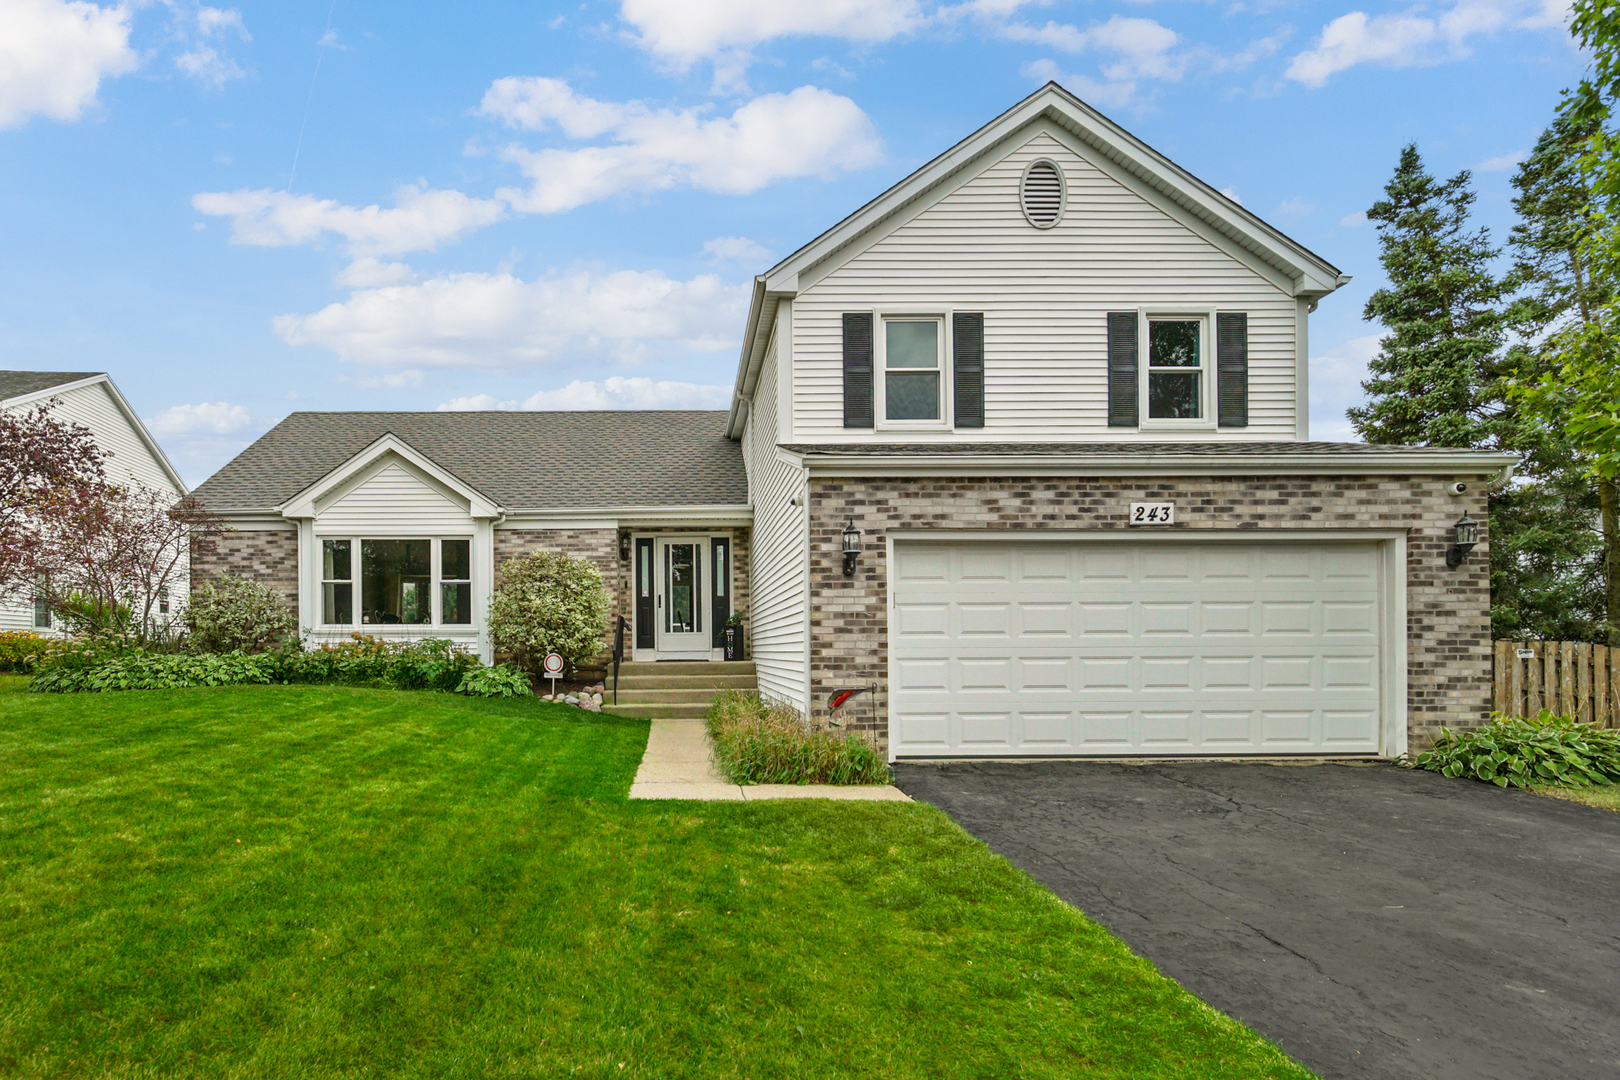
<point>1153,513</point>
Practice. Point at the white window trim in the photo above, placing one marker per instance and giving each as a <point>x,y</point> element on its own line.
<point>357,599</point>
<point>880,370</point>
<point>1206,366</point>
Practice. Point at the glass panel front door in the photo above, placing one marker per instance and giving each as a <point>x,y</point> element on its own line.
<point>682,614</point>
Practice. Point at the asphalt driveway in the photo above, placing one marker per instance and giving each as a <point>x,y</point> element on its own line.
<point>1373,921</point>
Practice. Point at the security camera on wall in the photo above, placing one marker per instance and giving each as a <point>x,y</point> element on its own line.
<point>1458,488</point>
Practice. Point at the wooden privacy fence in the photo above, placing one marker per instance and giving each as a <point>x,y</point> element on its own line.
<point>1569,678</point>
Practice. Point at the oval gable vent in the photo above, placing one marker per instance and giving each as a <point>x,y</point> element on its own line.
<point>1042,194</point>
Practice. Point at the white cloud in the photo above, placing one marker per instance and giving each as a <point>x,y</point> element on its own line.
<point>54,54</point>
<point>409,379</point>
<point>500,321</point>
<point>369,272</point>
<point>683,33</point>
<point>1502,162</point>
<point>736,248</point>
<point>1353,221</point>
<point>1335,384</point>
<point>1407,39</point>
<point>207,418</point>
<point>614,392</point>
<point>809,132</point>
<point>1231,193</point>
<point>1140,49</point>
<point>1295,208</point>
<point>420,219</point>
<point>203,62</point>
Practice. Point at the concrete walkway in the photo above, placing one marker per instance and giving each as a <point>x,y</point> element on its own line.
<point>677,765</point>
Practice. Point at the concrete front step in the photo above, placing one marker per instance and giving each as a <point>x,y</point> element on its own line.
<point>642,696</point>
<point>685,682</point>
<point>675,710</point>
<point>686,667</point>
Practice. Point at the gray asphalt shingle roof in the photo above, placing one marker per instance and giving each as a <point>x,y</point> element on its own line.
<point>1140,449</point>
<point>17,383</point>
<point>520,460</point>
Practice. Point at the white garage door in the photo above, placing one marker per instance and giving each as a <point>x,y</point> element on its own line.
<point>1124,647</point>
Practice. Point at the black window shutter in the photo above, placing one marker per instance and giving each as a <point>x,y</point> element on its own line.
<point>858,369</point>
<point>1123,363</point>
<point>1232,369</point>
<point>967,347</point>
<point>646,621</point>
<point>720,598</point>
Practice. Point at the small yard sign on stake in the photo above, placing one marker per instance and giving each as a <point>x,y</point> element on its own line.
<point>552,666</point>
<point>1527,654</point>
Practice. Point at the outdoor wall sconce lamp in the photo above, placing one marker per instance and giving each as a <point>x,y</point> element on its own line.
<point>624,546</point>
<point>1467,530</point>
<point>852,547</point>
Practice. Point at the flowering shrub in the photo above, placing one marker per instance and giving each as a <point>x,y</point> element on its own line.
<point>546,602</point>
<point>233,614</point>
<point>20,650</point>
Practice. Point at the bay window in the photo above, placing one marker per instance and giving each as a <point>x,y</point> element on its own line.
<point>404,582</point>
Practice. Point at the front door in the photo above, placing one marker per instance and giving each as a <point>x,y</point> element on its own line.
<point>682,603</point>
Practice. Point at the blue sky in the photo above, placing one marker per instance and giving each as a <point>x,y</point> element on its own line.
<point>242,211</point>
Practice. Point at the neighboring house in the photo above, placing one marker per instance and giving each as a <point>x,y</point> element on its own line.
<point>1053,388</point>
<point>90,399</point>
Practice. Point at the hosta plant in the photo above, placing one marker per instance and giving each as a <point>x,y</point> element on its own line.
<point>1545,751</point>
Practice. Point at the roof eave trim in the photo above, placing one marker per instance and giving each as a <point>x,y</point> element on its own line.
<point>1154,464</point>
<point>302,505</point>
<point>748,364</point>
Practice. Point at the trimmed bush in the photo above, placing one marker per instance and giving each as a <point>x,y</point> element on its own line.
<point>546,602</point>
<point>1547,751</point>
<point>20,650</point>
<point>759,742</point>
<point>502,680</point>
<point>235,614</point>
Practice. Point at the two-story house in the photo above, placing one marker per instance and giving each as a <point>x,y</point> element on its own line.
<point>1020,448</point>
<point>91,400</point>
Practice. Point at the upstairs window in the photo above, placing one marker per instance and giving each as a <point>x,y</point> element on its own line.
<point>912,350</point>
<point>1175,374</point>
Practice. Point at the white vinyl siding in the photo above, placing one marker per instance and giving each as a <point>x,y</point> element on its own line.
<point>94,407</point>
<point>1045,295</point>
<point>779,562</point>
<point>394,502</point>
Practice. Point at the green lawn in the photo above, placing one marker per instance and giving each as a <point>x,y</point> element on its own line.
<point>318,882</point>
<point>1604,798</point>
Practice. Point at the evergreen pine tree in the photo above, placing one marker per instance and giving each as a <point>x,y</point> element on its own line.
<point>1436,380</point>
<point>1548,568</point>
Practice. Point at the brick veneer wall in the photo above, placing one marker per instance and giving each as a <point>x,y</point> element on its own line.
<point>601,546</point>
<point>1447,611</point>
<point>270,557</point>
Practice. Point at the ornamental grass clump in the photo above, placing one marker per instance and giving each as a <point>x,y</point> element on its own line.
<point>761,742</point>
<point>1548,751</point>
